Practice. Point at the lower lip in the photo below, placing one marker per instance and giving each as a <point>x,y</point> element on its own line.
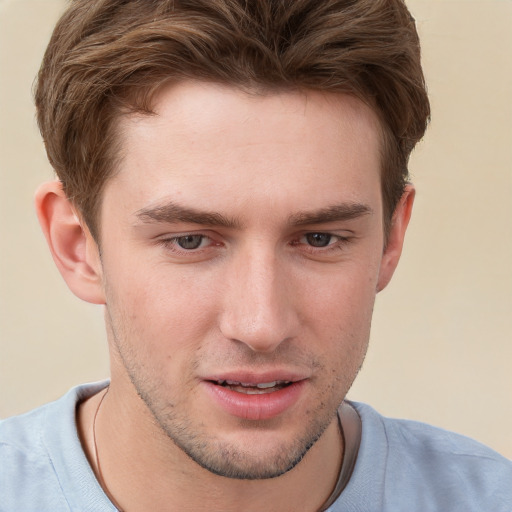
<point>255,407</point>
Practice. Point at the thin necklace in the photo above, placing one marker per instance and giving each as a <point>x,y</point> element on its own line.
<point>334,495</point>
<point>100,475</point>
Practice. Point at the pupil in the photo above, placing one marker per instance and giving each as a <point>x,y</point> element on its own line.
<point>190,241</point>
<point>318,239</point>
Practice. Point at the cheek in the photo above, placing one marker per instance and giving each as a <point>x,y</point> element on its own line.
<point>159,310</point>
<point>347,294</point>
<point>339,314</point>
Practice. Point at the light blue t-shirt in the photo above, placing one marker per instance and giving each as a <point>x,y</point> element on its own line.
<point>401,466</point>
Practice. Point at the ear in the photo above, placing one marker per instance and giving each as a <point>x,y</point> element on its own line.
<point>73,249</point>
<point>393,249</point>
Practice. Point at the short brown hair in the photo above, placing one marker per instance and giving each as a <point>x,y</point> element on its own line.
<point>109,57</point>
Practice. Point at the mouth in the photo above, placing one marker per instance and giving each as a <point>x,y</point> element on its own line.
<point>252,397</point>
<point>252,388</point>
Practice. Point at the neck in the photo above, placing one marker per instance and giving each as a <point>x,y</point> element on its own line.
<point>141,469</point>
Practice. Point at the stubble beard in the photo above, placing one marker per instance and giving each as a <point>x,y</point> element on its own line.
<point>220,457</point>
<point>209,452</point>
<point>229,460</point>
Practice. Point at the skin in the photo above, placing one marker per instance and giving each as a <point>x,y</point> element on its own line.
<point>280,198</point>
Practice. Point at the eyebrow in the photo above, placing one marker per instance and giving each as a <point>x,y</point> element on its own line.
<point>172,213</point>
<point>334,213</point>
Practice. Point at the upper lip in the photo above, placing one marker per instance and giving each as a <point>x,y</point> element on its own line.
<point>253,378</point>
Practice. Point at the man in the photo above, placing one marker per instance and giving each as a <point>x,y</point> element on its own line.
<point>233,189</point>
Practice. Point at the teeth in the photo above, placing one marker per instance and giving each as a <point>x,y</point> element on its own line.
<point>261,385</point>
<point>236,383</point>
<point>265,385</point>
<point>253,391</point>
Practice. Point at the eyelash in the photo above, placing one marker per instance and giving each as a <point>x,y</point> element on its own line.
<point>172,243</point>
<point>338,244</point>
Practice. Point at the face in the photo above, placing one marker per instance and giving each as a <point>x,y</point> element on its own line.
<point>242,243</point>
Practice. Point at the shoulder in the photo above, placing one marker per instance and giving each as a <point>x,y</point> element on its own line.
<point>27,478</point>
<point>435,467</point>
<point>32,446</point>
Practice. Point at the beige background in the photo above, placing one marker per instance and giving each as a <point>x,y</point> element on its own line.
<point>441,347</point>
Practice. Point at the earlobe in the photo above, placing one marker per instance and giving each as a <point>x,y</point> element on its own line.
<point>73,249</point>
<point>393,249</point>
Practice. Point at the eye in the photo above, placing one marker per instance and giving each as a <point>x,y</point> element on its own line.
<point>320,239</point>
<point>190,242</point>
<point>323,245</point>
<point>190,247</point>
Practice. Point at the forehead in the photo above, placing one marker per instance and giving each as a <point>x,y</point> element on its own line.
<point>205,109</point>
<point>209,143</point>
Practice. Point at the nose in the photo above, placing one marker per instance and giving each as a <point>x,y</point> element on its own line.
<point>258,308</point>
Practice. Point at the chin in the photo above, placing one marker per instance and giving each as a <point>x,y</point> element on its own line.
<point>231,463</point>
<point>249,457</point>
